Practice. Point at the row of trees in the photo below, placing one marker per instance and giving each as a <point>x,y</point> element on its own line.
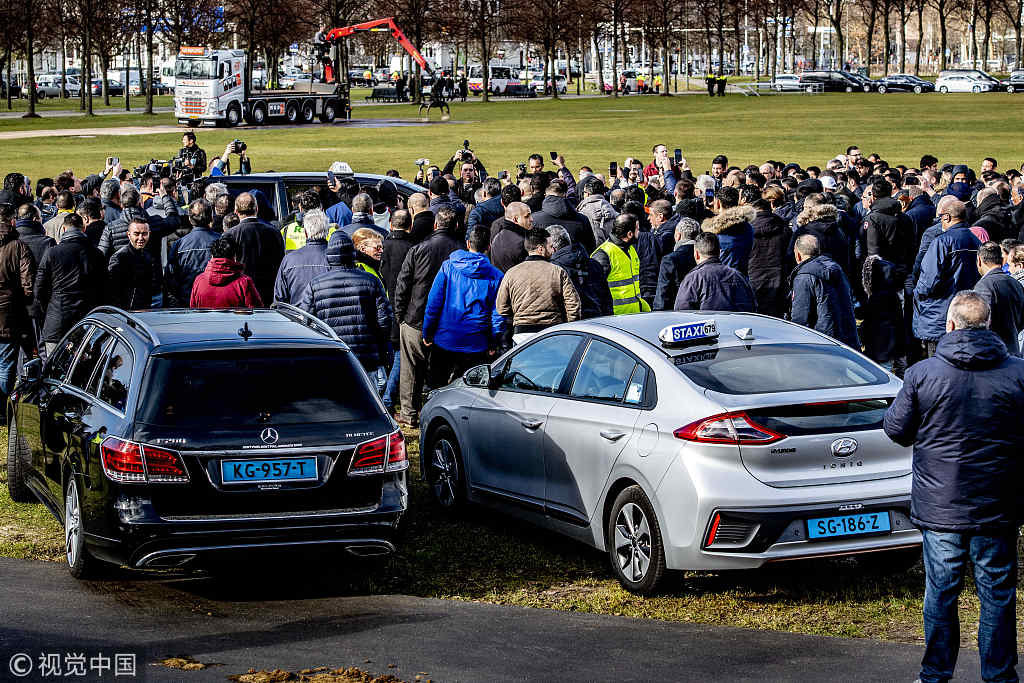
<point>774,30</point>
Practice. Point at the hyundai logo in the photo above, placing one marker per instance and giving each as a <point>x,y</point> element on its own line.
<point>269,436</point>
<point>843,448</point>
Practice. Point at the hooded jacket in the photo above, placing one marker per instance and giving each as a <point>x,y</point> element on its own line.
<point>735,235</point>
<point>17,276</point>
<point>224,285</point>
<point>460,314</point>
<point>714,286</point>
<point>822,300</point>
<point>891,234</point>
<point>69,283</point>
<point>768,261</point>
<point>507,244</point>
<point>883,330</point>
<point>186,259</point>
<point>556,210</point>
<point>822,221</point>
<point>298,268</point>
<point>588,278</point>
<point>949,266</point>
<point>1005,298</point>
<point>961,411</point>
<point>596,209</point>
<point>996,217</point>
<point>352,302</point>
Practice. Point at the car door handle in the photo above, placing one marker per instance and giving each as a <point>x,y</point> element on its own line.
<point>612,435</point>
<point>532,424</point>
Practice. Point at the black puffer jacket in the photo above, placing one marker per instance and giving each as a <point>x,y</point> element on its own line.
<point>186,259</point>
<point>70,283</point>
<point>960,410</point>
<point>891,234</point>
<point>556,210</point>
<point>115,233</point>
<point>767,267</point>
<point>588,278</point>
<point>352,302</point>
<point>996,217</point>
<point>417,275</point>
<point>130,282</point>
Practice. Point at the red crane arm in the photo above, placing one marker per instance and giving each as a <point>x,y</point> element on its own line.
<point>336,34</point>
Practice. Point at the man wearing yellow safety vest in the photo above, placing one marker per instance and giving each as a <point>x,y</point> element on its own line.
<point>618,257</point>
<point>293,233</point>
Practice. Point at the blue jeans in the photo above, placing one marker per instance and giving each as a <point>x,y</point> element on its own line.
<point>8,368</point>
<point>391,389</point>
<point>995,576</point>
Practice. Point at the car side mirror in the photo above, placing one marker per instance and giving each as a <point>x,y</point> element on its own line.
<point>32,370</point>
<point>478,376</point>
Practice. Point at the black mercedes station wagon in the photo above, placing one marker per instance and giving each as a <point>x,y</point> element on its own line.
<point>161,437</point>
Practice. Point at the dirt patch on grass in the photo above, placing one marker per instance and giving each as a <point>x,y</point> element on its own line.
<point>320,674</point>
<point>184,664</point>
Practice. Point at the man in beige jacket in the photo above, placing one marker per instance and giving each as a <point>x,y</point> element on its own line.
<point>536,294</point>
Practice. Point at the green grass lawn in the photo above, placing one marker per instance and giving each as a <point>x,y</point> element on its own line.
<point>487,557</point>
<point>72,104</point>
<point>806,129</point>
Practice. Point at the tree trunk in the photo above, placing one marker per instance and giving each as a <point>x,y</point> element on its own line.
<point>940,6</point>
<point>87,68</point>
<point>63,58</point>
<point>599,63</point>
<point>872,20</point>
<point>835,17</point>
<point>149,57</point>
<point>974,34</point>
<point>888,37</point>
<point>105,66</point>
<point>903,35</point>
<point>30,83</point>
<point>128,77</point>
<point>988,34</point>
<point>615,49</point>
<point>920,37</point>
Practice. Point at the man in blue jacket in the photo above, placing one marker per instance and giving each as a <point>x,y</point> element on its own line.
<point>821,294</point>
<point>489,210</point>
<point>949,266</point>
<point>960,410</point>
<point>188,256</point>
<point>299,267</point>
<point>460,322</point>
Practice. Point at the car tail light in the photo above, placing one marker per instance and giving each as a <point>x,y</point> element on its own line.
<point>729,428</point>
<point>135,463</point>
<point>729,532</point>
<point>380,454</point>
<point>398,460</point>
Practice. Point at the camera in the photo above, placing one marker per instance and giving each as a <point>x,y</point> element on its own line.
<point>423,162</point>
<point>237,146</point>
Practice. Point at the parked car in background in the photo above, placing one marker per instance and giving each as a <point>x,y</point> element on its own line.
<point>537,83</point>
<point>828,81</point>
<point>962,81</point>
<point>159,88</point>
<point>866,84</point>
<point>786,83</point>
<point>49,85</point>
<point>904,83</point>
<point>1015,83</point>
<point>114,88</point>
<point>12,87</point>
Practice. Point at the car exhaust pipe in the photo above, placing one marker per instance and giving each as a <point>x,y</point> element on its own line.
<point>168,561</point>
<point>370,549</point>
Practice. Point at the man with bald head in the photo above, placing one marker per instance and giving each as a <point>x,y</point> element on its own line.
<point>422,217</point>
<point>260,247</point>
<point>949,266</point>
<point>507,235</point>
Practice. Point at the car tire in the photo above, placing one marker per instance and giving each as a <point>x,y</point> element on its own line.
<point>81,564</point>
<point>308,111</point>
<point>849,88</point>
<point>444,471</point>
<point>882,89</point>
<point>777,88</point>
<point>809,89</point>
<point>867,88</point>
<point>291,113</point>
<point>976,89</point>
<point>330,112</point>
<point>890,562</point>
<point>40,94</point>
<point>233,116</point>
<point>918,90</point>
<point>634,541</point>
<point>944,90</point>
<point>1010,89</point>
<point>18,456</point>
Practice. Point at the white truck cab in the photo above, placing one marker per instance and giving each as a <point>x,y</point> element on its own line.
<point>209,86</point>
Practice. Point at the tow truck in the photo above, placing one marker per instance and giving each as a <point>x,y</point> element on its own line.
<point>211,88</point>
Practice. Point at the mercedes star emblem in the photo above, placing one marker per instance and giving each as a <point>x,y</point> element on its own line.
<point>269,436</point>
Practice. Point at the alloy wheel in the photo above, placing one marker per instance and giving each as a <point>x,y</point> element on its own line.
<point>72,524</point>
<point>633,542</point>
<point>446,473</point>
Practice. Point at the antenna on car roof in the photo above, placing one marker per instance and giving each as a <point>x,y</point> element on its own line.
<point>244,332</point>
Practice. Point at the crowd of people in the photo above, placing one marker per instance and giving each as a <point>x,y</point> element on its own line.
<point>905,264</point>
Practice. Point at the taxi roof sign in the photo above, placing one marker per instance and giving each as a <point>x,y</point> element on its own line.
<point>689,333</point>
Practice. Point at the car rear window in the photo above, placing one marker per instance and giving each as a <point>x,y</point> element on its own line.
<point>244,387</point>
<point>776,368</point>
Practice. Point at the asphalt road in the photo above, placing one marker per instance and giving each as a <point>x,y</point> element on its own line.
<point>307,620</point>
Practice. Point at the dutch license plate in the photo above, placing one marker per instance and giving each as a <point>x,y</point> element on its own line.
<point>278,469</point>
<point>848,525</point>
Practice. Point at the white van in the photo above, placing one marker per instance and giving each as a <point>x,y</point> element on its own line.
<point>498,82</point>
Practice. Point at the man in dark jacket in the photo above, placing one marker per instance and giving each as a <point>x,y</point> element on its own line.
<point>676,264</point>
<point>130,279</point>
<point>110,197</point>
<point>362,216</point>
<point>69,283</point>
<point>354,304</point>
<point>17,275</point>
<point>768,259</point>
<point>712,285</point>
<point>883,330</point>
<point>441,195</point>
<point>507,235</point>
<point>30,231</point>
<point>821,294</point>
<point>994,214</point>
<point>948,267</point>
<point>731,223</point>
<point>961,411</point>
<point>889,233</point>
<point>422,217</point>
<point>663,226</point>
<point>822,220</point>
<point>91,212</point>
<point>115,233</point>
<point>556,210</point>
<point>188,256</point>
<point>261,248</point>
<point>415,279</point>
<point>585,273</point>
<point>921,209</point>
<point>489,210</point>
<point>299,267</point>
<point>1003,294</point>
<point>396,246</point>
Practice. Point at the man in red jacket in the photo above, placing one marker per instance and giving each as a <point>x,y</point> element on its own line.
<point>224,284</point>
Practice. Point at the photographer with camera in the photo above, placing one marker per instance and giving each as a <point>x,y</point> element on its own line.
<point>471,173</point>
<point>222,166</point>
<point>191,154</point>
